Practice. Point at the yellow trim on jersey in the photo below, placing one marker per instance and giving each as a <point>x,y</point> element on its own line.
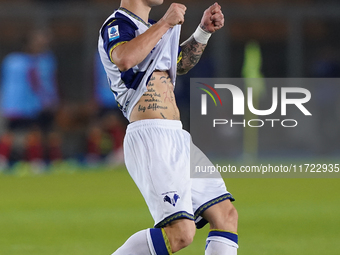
<point>113,47</point>
<point>180,56</point>
<point>111,22</point>
<point>167,242</point>
<point>221,230</point>
<point>134,16</point>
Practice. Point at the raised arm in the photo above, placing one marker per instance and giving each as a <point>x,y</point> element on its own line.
<point>193,48</point>
<point>131,53</point>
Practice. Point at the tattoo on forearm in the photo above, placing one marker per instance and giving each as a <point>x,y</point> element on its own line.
<point>191,54</point>
<point>203,27</point>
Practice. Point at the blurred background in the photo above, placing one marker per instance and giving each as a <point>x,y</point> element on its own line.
<point>55,101</point>
<point>58,113</point>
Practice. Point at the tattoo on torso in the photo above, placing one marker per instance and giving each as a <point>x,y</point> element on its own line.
<point>159,99</point>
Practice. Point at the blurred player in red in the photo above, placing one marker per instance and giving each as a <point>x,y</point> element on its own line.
<point>142,58</point>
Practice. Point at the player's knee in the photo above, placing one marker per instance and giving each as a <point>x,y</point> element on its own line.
<point>187,235</point>
<point>180,234</point>
<point>184,239</point>
<point>185,232</point>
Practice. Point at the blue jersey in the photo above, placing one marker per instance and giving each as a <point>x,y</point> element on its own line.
<point>122,26</point>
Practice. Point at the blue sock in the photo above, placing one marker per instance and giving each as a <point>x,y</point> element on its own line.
<point>160,242</point>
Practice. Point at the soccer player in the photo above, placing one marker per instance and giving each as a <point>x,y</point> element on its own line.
<point>141,58</point>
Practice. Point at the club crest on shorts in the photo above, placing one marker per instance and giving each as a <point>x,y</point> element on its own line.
<point>172,200</point>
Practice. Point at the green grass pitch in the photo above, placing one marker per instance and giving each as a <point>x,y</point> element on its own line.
<point>94,212</point>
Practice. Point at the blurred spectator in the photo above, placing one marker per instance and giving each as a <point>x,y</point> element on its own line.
<point>33,146</point>
<point>28,93</point>
<point>105,138</point>
<point>113,125</point>
<point>104,97</point>
<point>6,142</point>
<point>54,144</point>
<point>99,145</point>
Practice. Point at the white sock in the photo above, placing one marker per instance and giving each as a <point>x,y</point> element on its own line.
<point>146,242</point>
<point>221,243</point>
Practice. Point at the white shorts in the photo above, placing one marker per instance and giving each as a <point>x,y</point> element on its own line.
<point>157,156</point>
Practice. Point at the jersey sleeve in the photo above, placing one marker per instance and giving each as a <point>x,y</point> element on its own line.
<point>115,33</point>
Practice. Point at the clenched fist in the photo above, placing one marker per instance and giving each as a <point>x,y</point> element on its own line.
<point>174,15</point>
<point>213,19</point>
